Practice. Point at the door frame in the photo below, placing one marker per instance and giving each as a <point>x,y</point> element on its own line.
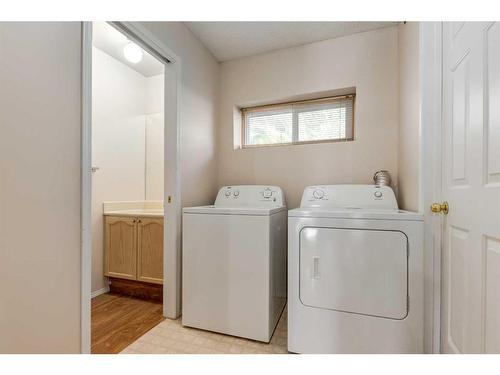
<point>172,186</point>
<point>431,79</point>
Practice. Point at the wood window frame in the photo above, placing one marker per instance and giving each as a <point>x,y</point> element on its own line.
<point>295,140</point>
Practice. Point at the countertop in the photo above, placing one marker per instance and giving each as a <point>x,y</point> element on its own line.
<point>134,209</point>
<point>135,213</point>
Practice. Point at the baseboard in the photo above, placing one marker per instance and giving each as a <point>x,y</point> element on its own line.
<point>136,289</point>
<point>98,292</point>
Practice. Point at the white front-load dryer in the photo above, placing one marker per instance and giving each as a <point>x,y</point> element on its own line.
<point>234,262</point>
<point>355,272</point>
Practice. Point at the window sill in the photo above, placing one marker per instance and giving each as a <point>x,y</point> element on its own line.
<point>343,140</point>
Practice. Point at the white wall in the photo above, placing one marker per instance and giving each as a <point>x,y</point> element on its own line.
<point>155,157</point>
<point>127,143</point>
<point>155,137</point>
<point>40,144</point>
<point>409,116</point>
<point>118,144</point>
<point>155,94</point>
<point>367,61</point>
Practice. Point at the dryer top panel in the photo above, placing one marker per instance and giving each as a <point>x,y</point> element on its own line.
<point>349,196</point>
<point>250,196</point>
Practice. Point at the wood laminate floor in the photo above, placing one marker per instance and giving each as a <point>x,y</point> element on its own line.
<point>118,321</point>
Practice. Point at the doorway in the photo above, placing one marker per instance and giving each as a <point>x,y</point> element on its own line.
<point>130,184</point>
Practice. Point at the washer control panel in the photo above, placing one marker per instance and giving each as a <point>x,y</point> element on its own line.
<point>250,195</point>
<point>349,196</point>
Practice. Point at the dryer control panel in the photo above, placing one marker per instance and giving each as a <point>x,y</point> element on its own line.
<point>250,196</point>
<point>349,196</point>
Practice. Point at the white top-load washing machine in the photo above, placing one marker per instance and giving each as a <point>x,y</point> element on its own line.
<point>355,272</point>
<point>234,262</point>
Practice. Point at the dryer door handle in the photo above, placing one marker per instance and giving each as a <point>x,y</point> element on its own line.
<point>315,267</point>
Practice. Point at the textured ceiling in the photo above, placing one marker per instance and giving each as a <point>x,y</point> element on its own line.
<point>232,40</point>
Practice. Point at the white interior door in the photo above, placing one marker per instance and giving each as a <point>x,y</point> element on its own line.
<point>471,183</point>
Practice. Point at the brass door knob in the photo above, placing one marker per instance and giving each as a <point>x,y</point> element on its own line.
<point>440,207</point>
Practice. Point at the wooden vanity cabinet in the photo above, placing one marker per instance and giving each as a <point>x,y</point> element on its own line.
<point>150,250</point>
<point>133,248</point>
<point>120,247</point>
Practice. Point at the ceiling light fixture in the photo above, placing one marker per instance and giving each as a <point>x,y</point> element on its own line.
<point>132,53</point>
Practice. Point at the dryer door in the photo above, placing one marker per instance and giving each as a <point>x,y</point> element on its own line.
<point>355,270</point>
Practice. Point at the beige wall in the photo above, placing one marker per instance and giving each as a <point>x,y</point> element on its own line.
<point>40,68</point>
<point>409,116</point>
<point>199,92</point>
<point>367,61</point>
<point>40,144</point>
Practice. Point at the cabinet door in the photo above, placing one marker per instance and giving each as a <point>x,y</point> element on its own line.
<point>120,258</point>
<point>150,250</point>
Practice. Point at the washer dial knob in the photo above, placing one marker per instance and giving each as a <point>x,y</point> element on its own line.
<point>227,193</point>
<point>318,194</point>
<point>236,193</point>
<point>267,193</point>
<point>378,194</point>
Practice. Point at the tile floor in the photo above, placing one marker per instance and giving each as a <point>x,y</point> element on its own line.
<point>170,337</point>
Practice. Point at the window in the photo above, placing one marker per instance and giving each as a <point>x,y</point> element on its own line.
<point>308,121</point>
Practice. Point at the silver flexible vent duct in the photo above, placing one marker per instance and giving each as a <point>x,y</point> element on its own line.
<point>382,178</point>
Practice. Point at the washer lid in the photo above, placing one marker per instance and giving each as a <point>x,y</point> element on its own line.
<point>214,210</point>
<point>356,213</point>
